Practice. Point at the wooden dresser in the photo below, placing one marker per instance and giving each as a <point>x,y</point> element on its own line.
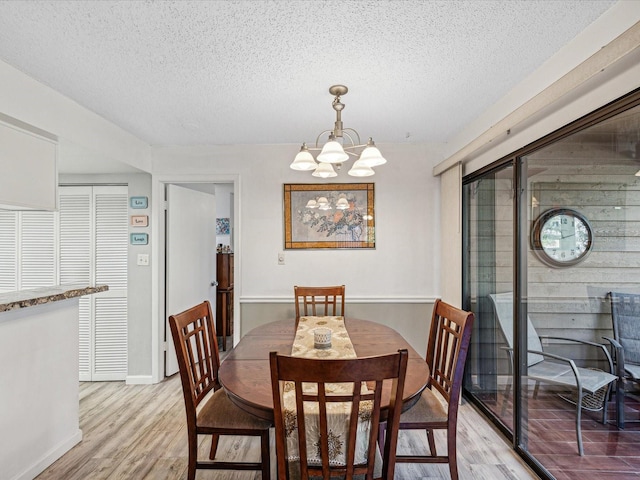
<point>224,296</point>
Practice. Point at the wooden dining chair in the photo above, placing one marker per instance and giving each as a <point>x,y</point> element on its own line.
<point>321,442</point>
<point>447,347</point>
<point>196,347</point>
<point>319,301</point>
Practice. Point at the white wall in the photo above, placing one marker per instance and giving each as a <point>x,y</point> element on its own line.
<point>403,265</point>
<point>39,412</point>
<point>31,102</point>
<point>403,269</point>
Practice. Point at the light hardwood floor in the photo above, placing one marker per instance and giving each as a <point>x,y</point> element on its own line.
<point>139,432</point>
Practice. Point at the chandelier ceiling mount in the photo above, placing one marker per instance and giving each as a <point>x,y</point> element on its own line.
<point>342,143</point>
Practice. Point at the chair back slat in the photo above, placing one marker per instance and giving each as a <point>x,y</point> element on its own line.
<point>319,301</point>
<point>196,345</point>
<point>314,383</point>
<point>448,344</point>
<point>449,338</point>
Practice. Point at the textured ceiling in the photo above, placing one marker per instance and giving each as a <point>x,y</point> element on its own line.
<point>258,72</point>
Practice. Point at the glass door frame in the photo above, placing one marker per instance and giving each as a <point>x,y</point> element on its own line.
<point>518,160</point>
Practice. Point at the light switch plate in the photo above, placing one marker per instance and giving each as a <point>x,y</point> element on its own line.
<point>281,258</point>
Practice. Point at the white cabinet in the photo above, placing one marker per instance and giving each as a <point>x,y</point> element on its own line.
<point>28,167</point>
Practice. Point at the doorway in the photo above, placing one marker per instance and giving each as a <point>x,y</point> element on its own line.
<point>190,269</point>
<point>202,183</point>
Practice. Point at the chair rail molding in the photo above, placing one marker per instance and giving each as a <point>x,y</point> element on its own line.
<point>362,300</point>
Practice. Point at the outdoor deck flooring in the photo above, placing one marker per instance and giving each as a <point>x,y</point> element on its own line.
<point>609,453</point>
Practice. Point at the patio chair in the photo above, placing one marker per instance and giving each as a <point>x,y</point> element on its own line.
<point>625,315</point>
<point>590,387</point>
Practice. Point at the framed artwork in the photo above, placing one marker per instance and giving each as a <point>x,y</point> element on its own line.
<point>338,215</point>
<point>222,226</point>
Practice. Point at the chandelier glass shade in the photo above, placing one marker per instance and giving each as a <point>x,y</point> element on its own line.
<point>324,170</point>
<point>371,156</point>
<point>332,152</point>
<point>335,152</point>
<point>360,169</point>
<point>304,160</point>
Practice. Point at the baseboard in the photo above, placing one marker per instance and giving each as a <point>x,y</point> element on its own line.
<point>139,380</point>
<point>51,456</point>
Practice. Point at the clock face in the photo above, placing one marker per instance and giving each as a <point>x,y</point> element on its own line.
<point>562,237</point>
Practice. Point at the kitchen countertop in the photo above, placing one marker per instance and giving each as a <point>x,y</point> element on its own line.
<point>39,296</point>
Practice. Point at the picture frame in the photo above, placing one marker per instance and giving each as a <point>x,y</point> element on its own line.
<point>347,221</point>
<point>223,226</point>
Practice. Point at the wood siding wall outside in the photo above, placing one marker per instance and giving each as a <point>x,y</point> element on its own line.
<point>585,173</point>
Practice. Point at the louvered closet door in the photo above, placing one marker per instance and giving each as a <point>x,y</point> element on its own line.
<point>93,248</point>
<point>37,245</point>
<point>8,251</point>
<point>111,243</point>
<point>76,254</point>
<point>28,250</point>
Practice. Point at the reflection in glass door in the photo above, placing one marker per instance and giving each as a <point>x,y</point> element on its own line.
<point>547,235</point>
<point>489,221</point>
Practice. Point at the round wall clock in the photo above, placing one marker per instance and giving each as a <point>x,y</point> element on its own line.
<point>561,237</point>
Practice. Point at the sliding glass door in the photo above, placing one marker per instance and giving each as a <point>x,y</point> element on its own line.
<point>549,231</point>
<point>489,234</point>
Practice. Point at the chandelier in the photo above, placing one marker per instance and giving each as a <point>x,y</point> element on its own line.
<point>336,152</point>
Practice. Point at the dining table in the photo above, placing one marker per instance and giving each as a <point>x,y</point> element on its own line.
<point>245,373</point>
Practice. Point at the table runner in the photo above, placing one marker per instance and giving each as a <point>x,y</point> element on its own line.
<point>338,413</point>
<point>303,344</point>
